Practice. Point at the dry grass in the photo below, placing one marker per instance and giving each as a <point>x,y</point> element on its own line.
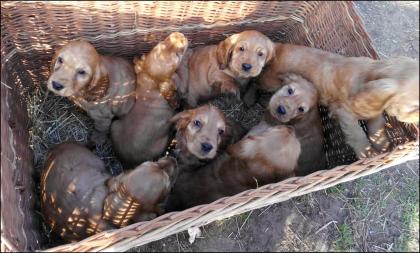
<point>55,120</point>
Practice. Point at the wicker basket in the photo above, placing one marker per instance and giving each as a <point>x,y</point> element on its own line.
<point>31,31</point>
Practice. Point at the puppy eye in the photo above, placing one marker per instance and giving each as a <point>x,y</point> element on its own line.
<point>290,91</point>
<point>221,131</point>
<point>301,109</point>
<point>81,72</point>
<point>242,49</point>
<point>197,123</point>
<point>260,54</point>
<point>60,60</point>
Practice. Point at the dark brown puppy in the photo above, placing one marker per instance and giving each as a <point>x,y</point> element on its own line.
<point>209,71</point>
<point>80,198</point>
<point>353,88</point>
<point>200,133</point>
<point>265,155</point>
<point>101,85</point>
<point>143,134</point>
<point>296,104</point>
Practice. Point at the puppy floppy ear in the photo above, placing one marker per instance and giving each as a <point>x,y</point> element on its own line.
<point>98,87</point>
<point>224,51</point>
<point>271,51</point>
<point>182,119</point>
<point>374,97</point>
<point>54,58</point>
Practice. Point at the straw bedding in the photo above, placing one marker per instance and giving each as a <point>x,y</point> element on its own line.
<point>56,119</point>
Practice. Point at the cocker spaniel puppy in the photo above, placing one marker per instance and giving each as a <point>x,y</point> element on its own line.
<point>211,70</point>
<point>296,104</point>
<point>265,155</point>
<point>201,134</point>
<point>354,88</point>
<point>101,85</point>
<point>80,198</point>
<point>144,133</point>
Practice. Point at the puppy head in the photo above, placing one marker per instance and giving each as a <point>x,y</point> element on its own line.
<point>165,57</point>
<point>75,68</point>
<point>277,145</point>
<point>200,130</point>
<point>245,53</point>
<point>149,181</point>
<point>295,98</point>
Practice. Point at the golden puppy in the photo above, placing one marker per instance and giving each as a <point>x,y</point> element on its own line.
<point>296,104</point>
<point>353,88</point>
<point>265,155</point>
<point>143,134</point>
<point>224,68</point>
<point>80,198</point>
<point>200,133</point>
<point>103,86</point>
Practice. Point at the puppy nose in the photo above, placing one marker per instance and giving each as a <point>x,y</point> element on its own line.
<point>246,66</point>
<point>281,110</point>
<point>57,85</point>
<point>206,147</point>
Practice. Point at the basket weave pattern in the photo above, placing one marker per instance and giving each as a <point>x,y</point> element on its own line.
<point>32,31</point>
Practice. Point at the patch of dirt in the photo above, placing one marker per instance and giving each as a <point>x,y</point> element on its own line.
<point>303,223</point>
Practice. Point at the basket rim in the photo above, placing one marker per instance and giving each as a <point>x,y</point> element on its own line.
<point>407,149</point>
<point>339,174</point>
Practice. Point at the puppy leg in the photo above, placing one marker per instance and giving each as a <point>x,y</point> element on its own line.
<point>374,96</point>
<point>229,86</point>
<point>377,135</point>
<point>100,133</point>
<point>354,134</point>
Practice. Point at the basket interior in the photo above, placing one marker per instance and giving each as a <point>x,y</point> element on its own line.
<point>32,31</point>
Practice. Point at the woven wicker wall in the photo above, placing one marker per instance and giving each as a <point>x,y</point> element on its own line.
<point>30,33</point>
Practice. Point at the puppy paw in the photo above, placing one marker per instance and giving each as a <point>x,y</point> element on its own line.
<point>367,153</point>
<point>168,91</point>
<point>232,91</point>
<point>380,141</point>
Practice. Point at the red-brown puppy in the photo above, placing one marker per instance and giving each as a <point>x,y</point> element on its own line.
<point>296,104</point>
<point>353,88</point>
<point>143,134</point>
<point>80,198</point>
<point>224,68</point>
<point>103,86</point>
<point>265,155</point>
<point>200,133</point>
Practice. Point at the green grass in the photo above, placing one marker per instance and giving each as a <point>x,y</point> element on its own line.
<point>408,240</point>
<point>335,190</point>
<point>345,239</point>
